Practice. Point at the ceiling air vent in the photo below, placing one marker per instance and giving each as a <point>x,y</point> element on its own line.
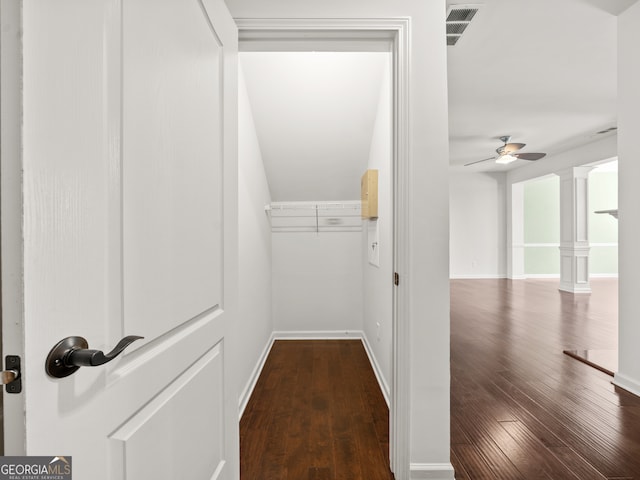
<point>456,28</point>
<point>458,19</point>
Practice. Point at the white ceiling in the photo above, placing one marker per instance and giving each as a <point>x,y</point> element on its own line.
<point>314,114</point>
<point>542,71</point>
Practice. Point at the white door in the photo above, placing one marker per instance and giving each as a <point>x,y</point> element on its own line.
<point>129,223</point>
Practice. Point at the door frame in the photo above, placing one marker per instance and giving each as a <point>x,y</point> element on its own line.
<point>11,211</point>
<point>361,35</point>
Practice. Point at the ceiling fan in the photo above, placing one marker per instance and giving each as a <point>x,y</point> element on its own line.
<point>506,153</point>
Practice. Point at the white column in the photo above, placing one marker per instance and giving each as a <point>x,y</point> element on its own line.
<point>574,229</point>
<point>515,231</point>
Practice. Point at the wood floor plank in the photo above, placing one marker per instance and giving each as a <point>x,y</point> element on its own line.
<point>460,472</point>
<point>320,474</point>
<point>480,428</point>
<point>296,452</point>
<point>475,464</point>
<point>538,452</point>
<point>583,469</point>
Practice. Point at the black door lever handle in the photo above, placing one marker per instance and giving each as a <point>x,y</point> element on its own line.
<point>71,353</point>
<point>92,358</point>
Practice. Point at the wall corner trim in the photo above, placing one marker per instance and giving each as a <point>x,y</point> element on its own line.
<point>627,383</point>
<point>432,471</point>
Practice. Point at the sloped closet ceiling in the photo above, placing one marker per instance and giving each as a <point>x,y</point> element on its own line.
<point>314,114</point>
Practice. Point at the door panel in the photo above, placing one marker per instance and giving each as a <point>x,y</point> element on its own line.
<point>144,435</point>
<point>172,167</point>
<point>130,219</point>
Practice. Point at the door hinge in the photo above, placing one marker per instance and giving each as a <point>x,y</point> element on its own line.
<point>12,376</point>
<point>396,279</point>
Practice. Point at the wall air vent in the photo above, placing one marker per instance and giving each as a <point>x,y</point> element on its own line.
<point>458,19</point>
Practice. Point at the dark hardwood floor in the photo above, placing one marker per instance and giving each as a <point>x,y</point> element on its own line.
<point>316,413</point>
<point>520,408</point>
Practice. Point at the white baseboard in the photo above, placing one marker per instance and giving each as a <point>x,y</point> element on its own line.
<point>318,335</point>
<point>528,275</point>
<point>255,374</point>
<point>627,383</point>
<point>384,386</point>
<point>479,276</point>
<point>432,471</point>
<point>557,275</point>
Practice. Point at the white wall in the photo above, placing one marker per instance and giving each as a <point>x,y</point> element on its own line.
<point>628,374</point>
<point>478,225</point>
<point>255,323</point>
<point>427,278</point>
<point>317,282</point>
<point>377,322</point>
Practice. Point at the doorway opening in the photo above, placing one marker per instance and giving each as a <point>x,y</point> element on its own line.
<point>323,119</point>
<point>356,36</point>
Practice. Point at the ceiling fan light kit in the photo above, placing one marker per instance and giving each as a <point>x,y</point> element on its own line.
<point>506,153</point>
<point>505,159</point>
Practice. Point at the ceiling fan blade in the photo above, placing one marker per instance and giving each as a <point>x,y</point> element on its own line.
<point>529,156</point>
<point>478,161</point>
<point>512,147</point>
